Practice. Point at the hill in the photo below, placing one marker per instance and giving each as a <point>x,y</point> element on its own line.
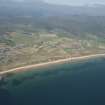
<point>32,32</point>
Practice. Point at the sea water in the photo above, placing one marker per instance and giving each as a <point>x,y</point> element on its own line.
<point>77,83</point>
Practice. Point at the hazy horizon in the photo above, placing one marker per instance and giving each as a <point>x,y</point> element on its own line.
<point>66,2</point>
<point>76,2</point>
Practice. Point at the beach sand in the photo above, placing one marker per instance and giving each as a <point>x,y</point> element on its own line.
<point>24,68</point>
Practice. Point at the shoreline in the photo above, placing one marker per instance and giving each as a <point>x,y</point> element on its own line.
<point>19,69</point>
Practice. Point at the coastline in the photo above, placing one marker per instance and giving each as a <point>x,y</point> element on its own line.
<point>19,69</point>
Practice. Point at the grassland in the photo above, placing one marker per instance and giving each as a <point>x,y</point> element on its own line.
<point>25,48</point>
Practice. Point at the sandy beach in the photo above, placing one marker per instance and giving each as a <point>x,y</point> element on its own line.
<point>50,63</point>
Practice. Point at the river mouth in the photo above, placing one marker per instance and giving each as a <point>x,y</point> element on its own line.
<point>79,83</point>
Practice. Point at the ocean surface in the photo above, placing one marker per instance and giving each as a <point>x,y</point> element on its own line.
<point>78,83</point>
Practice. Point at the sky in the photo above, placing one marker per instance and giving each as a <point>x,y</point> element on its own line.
<point>76,2</point>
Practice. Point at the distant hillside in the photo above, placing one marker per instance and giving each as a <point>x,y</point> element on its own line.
<point>33,32</point>
<point>28,7</point>
<point>35,15</point>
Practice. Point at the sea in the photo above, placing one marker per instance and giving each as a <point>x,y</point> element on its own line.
<point>71,83</point>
